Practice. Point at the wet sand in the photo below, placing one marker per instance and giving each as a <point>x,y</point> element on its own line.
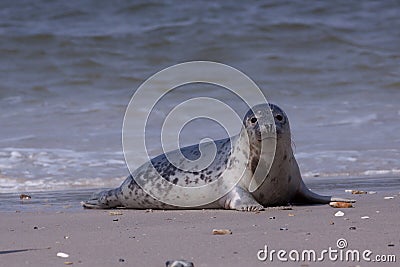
<point>150,238</point>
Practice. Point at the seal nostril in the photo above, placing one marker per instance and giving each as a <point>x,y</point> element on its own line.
<point>279,117</point>
<point>253,120</point>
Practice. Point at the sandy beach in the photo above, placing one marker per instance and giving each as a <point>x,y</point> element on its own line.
<point>150,238</point>
<point>71,70</point>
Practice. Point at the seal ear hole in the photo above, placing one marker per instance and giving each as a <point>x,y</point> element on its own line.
<point>279,117</point>
<point>253,120</point>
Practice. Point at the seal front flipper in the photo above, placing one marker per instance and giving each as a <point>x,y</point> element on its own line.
<point>240,199</point>
<point>306,196</point>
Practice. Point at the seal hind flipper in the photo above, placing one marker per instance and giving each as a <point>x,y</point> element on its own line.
<point>306,196</point>
<point>106,199</point>
<point>240,199</point>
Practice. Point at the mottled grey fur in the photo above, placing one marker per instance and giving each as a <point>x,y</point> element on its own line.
<point>283,184</point>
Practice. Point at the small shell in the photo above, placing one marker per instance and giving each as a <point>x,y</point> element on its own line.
<point>62,255</point>
<point>179,263</point>
<point>68,262</point>
<point>221,232</point>
<point>388,197</point>
<point>355,192</point>
<point>343,205</point>
<point>358,192</point>
<point>339,214</point>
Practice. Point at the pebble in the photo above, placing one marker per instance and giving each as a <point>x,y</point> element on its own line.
<point>352,228</point>
<point>365,217</point>
<point>115,220</point>
<point>339,214</point>
<point>272,218</point>
<point>179,263</point>
<point>121,260</point>
<point>68,262</point>
<point>221,232</point>
<point>115,213</point>
<point>62,255</point>
<point>24,197</point>
<point>283,229</point>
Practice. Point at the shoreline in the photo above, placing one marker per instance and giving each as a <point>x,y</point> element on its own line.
<point>68,200</point>
<point>150,238</point>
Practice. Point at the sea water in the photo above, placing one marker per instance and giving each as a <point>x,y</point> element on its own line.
<point>68,70</point>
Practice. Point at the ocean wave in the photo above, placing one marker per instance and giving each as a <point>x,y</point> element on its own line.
<point>395,173</point>
<point>139,7</point>
<point>11,185</point>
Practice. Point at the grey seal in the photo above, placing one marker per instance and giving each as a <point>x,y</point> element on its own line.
<point>281,185</point>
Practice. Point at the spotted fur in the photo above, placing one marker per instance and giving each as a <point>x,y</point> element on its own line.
<point>282,185</point>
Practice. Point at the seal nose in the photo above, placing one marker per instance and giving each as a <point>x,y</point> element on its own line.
<point>262,128</point>
<point>267,128</point>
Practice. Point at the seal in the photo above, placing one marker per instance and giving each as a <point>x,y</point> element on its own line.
<point>280,185</point>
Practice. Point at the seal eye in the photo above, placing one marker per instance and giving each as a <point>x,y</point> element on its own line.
<point>253,120</point>
<point>279,117</point>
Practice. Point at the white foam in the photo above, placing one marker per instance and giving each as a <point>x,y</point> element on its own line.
<point>381,172</point>
<point>9,185</point>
